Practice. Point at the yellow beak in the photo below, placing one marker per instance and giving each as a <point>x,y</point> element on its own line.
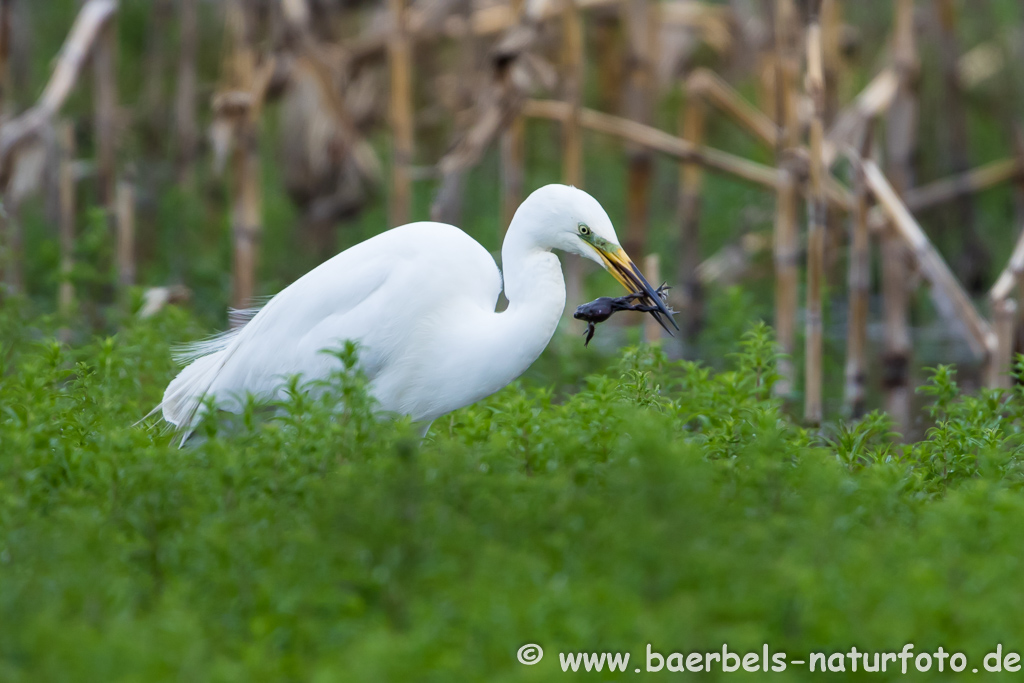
<point>623,269</point>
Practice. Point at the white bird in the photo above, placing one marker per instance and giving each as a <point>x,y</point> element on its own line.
<point>419,300</point>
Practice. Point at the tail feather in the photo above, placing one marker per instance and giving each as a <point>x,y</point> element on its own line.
<point>183,399</point>
<point>184,395</point>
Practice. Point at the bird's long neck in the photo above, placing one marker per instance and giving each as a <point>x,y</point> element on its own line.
<point>535,290</point>
<point>532,274</point>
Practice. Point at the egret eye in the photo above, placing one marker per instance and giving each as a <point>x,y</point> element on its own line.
<point>584,230</point>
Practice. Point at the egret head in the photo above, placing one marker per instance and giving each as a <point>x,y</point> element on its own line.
<point>573,221</point>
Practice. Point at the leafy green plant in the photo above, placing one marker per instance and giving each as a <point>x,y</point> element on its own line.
<point>662,502</point>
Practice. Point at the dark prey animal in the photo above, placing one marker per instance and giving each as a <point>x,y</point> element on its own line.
<point>599,310</point>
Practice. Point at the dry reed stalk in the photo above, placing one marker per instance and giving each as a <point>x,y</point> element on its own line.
<point>105,112</point>
<point>786,249</point>
<point>855,393</point>
<point>896,329</point>
<point>312,58</point>
<point>186,127</point>
<point>714,90</point>
<point>690,192</point>
<point>496,107</point>
<point>974,258</point>
<point>246,209</point>
<point>400,66</point>
<point>1011,275</point>
<point>125,212</point>
<point>638,105</point>
<point>950,299</point>
<point>606,34</point>
<point>92,19</point>
<point>66,187</point>
<point>652,269</point>
<point>830,20</point>
<point>970,182</point>
<point>851,124</point>
<point>512,150</point>
<point>657,140</point>
<point>901,141</point>
<point>246,220</point>
<point>711,21</point>
<point>787,38</point>
<point>832,61</point>
<point>817,206</point>
<point>246,84</point>
<point>786,236</point>
<point>714,24</point>
<point>572,77</point>
<point>766,62</point>
<point>1004,318</point>
<point>936,193</point>
<point>572,134</point>
<point>154,63</point>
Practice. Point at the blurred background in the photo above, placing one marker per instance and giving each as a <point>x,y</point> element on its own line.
<point>204,153</point>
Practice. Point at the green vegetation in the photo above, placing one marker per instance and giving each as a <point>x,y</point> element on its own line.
<point>662,503</point>
<point>607,500</point>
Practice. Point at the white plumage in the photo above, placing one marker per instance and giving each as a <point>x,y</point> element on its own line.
<point>420,302</point>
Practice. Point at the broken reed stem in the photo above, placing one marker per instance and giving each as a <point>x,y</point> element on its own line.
<point>786,235</point>
<point>1004,318</point>
<point>708,21</point>
<point>658,140</point>
<point>572,68</point>
<point>606,31</point>
<point>788,48</point>
<point>639,106</point>
<point>855,393</point>
<point>153,106</point>
<point>572,134</point>
<point>936,193</point>
<point>105,106</point>
<point>690,193</point>
<point>970,182</point>
<point>67,205</point>
<point>851,123</point>
<point>956,137</point>
<point>901,141</point>
<point>831,21</point>
<point>186,128</point>
<point>400,67</point>
<point>94,16</point>
<point>816,210</point>
<point>125,212</point>
<point>512,149</point>
<point>246,204</point>
<point>246,198</point>
<point>715,90</point>
<point>512,157</point>
<point>950,299</point>
<point>1011,275</point>
<point>786,247</point>
<point>652,269</point>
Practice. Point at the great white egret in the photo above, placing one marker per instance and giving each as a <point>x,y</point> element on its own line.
<point>420,302</point>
